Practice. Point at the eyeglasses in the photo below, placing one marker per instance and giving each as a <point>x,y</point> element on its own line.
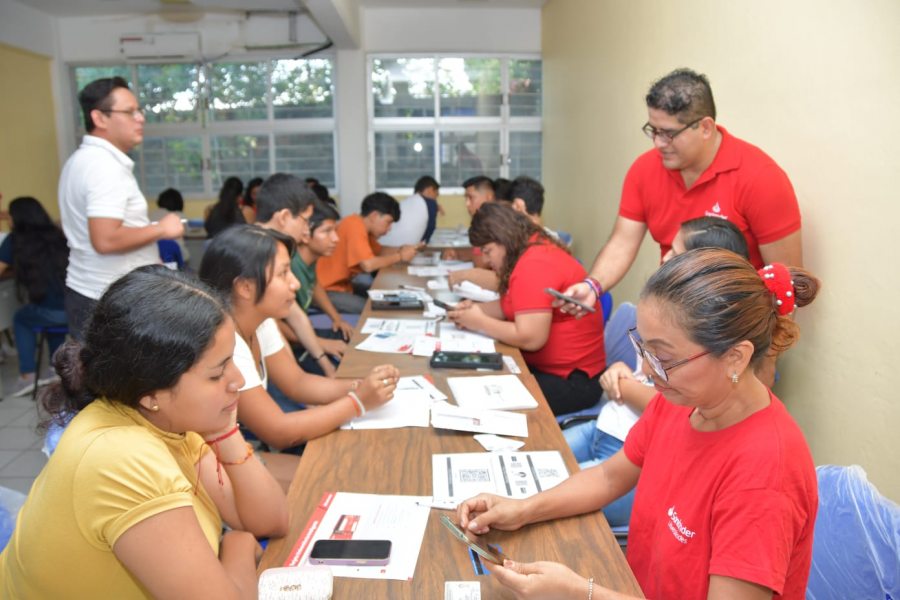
<point>664,134</point>
<point>654,362</point>
<point>135,113</point>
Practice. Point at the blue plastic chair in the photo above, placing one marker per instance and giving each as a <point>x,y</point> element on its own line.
<point>856,543</point>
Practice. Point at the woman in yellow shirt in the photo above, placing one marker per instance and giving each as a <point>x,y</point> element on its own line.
<point>132,502</point>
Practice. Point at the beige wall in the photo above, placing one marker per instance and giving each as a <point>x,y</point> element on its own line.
<point>817,86</point>
<point>28,157</point>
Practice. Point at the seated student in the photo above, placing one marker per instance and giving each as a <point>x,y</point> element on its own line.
<point>629,392</point>
<point>170,200</point>
<point>253,266</point>
<point>359,253</point>
<point>726,501</point>
<point>478,190</point>
<point>37,250</point>
<point>566,355</point>
<point>248,200</point>
<point>285,204</point>
<point>227,211</point>
<point>322,194</point>
<point>321,241</point>
<point>419,213</point>
<point>502,189</point>
<point>132,502</point>
<point>527,197</point>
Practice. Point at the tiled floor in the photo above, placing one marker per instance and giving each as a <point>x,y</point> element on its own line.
<point>21,458</point>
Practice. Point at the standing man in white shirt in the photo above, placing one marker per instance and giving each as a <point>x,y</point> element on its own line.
<point>104,213</point>
<point>418,216</point>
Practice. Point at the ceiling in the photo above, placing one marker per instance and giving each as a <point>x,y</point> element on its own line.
<point>71,8</point>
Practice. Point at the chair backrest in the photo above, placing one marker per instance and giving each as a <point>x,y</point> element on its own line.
<point>856,543</point>
<point>170,252</point>
<point>606,305</point>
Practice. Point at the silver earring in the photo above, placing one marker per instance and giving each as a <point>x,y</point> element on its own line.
<point>155,408</point>
<point>734,377</point>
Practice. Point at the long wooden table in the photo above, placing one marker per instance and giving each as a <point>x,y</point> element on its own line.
<point>398,461</point>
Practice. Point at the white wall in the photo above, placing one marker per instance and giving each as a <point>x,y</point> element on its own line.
<point>23,27</point>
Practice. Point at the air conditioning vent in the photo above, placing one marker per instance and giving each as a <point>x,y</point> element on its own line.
<point>159,46</point>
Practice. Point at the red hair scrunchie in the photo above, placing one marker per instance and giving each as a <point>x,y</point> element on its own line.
<point>778,280</point>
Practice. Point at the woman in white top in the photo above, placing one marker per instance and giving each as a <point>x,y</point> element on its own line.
<point>252,265</point>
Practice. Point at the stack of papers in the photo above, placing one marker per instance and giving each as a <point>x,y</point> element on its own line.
<point>388,342</point>
<point>448,416</point>
<point>439,270</point>
<point>456,477</point>
<point>410,406</point>
<point>454,339</point>
<point>494,392</point>
<point>401,326</point>
<point>475,292</point>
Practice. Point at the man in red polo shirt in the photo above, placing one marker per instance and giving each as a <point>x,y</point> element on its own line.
<point>696,169</point>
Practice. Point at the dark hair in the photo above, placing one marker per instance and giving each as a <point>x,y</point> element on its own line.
<point>226,212</point>
<point>714,232</point>
<point>381,203</point>
<point>252,185</point>
<point>281,191</point>
<point>146,331</point>
<point>503,189</point>
<point>719,300</point>
<point>243,252</point>
<point>683,93</point>
<point>322,211</point>
<point>320,191</point>
<point>40,251</point>
<point>497,222</point>
<point>530,191</point>
<point>311,181</point>
<point>425,182</point>
<point>479,181</point>
<point>97,95</point>
<point>171,199</point>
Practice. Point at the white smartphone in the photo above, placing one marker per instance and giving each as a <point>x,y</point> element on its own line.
<point>570,299</point>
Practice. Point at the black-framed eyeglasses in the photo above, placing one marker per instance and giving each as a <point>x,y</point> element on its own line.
<point>661,371</point>
<point>664,134</point>
<point>134,114</point>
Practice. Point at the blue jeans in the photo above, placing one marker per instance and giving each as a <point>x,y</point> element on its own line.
<point>591,447</point>
<point>28,318</point>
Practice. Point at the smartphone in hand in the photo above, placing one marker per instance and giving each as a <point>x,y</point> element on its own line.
<point>570,299</point>
<point>443,304</point>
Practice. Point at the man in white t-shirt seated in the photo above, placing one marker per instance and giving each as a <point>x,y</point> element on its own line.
<point>419,213</point>
<point>104,213</point>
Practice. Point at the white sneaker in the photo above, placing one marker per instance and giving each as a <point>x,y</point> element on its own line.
<point>23,387</point>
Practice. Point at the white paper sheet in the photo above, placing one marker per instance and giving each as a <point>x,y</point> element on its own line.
<point>511,474</point>
<point>454,339</point>
<point>494,392</point>
<point>496,443</point>
<point>401,519</point>
<point>475,292</point>
<point>405,294</point>
<point>439,270</point>
<point>448,416</point>
<point>410,407</point>
<point>385,341</point>
<point>400,326</point>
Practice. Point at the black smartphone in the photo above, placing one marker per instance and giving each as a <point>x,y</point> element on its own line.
<point>443,304</point>
<point>467,360</point>
<point>351,552</point>
<point>397,304</point>
<point>570,299</point>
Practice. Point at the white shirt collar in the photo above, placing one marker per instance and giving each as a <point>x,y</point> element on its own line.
<point>93,140</point>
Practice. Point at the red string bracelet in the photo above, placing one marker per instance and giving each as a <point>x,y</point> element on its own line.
<point>224,436</point>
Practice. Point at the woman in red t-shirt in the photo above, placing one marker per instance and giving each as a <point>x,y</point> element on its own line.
<point>565,354</point>
<point>726,487</point>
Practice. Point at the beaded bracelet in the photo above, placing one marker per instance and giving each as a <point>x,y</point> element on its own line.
<point>361,408</point>
<point>241,460</point>
<point>590,588</point>
<point>595,286</point>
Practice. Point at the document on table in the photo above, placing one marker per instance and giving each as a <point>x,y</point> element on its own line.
<point>448,416</point>
<point>346,516</point>
<point>388,342</point>
<point>454,339</point>
<point>440,270</point>
<point>401,326</point>
<point>496,392</point>
<point>456,477</point>
<point>410,406</point>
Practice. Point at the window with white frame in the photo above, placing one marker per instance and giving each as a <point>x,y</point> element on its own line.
<point>453,117</point>
<point>205,123</point>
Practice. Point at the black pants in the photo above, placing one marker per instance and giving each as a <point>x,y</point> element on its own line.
<point>309,364</point>
<point>78,309</point>
<point>571,394</point>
